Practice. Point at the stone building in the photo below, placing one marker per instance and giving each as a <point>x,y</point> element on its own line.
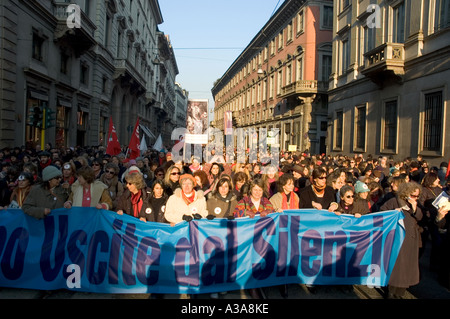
<point>389,87</point>
<point>86,63</point>
<point>280,80</point>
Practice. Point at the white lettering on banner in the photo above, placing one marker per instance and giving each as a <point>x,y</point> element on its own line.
<point>74,279</point>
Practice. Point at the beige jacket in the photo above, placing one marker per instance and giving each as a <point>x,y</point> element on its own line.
<point>99,194</point>
<point>176,207</point>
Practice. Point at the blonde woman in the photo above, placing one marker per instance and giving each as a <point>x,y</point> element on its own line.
<point>172,179</point>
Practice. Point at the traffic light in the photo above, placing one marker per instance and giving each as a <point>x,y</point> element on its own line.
<point>36,116</point>
<point>49,118</point>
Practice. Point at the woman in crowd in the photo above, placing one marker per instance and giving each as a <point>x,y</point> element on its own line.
<point>256,171</point>
<point>47,196</point>
<point>68,174</point>
<point>270,179</point>
<point>239,180</point>
<point>135,201</point>
<point>185,203</point>
<point>88,192</point>
<point>347,205</point>
<point>222,202</point>
<point>172,179</point>
<point>318,195</point>
<point>361,196</point>
<point>24,183</point>
<point>214,175</point>
<point>111,180</point>
<point>255,203</point>
<point>195,164</point>
<point>406,268</point>
<point>158,201</point>
<point>285,198</point>
<point>201,179</point>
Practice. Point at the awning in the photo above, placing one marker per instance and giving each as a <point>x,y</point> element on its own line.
<point>147,131</point>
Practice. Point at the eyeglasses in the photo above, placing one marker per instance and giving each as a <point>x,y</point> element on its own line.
<point>110,172</point>
<point>350,196</point>
<point>174,173</point>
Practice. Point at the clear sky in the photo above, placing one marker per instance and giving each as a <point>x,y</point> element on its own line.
<point>208,35</point>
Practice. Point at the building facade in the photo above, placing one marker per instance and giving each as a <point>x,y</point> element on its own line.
<point>85,73</point>
<point>389,87</point>
<point>280,80</point>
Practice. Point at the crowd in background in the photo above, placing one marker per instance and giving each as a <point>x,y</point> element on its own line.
<point>155,188</point>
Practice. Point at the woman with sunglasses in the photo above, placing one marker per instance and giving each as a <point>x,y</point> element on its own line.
<point>48,195</point>
<point>348,205</point>
<point>172,179</point>
<point>111,180</point>
<point>135,201</point>
<point>97,166</point>
<point>318,195</point>
<point>406,268</point>
<point>88,192</point>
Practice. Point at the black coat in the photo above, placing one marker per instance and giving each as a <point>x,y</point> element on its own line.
<point>307,196</point>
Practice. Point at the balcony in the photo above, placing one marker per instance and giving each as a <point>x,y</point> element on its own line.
<point>129,76</point>
<point>304,87</point>
<point>82,38</point>
<point>384,62</point>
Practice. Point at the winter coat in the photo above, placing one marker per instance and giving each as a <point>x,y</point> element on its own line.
<point>158,207</point>
<point>115,188</point>
<point>277,200</point>
<point>40,198</point>
<point>99,194</point>
<point>221,207</point>
<point>176,207</point>
<point>245,207</point>
<point>124,204</point>
<point>406,268</point>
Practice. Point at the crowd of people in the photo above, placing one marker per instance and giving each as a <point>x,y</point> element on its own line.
<point>154,188</point>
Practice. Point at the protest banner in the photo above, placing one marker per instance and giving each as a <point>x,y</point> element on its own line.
<point>86,249</point>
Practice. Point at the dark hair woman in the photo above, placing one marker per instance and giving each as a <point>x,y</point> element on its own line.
<point>223,201</point>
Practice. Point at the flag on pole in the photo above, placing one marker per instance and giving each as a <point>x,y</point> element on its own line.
<point>143,146</point>
<point>133,147</point>
<point>113,147</point>
<point>158,144</point>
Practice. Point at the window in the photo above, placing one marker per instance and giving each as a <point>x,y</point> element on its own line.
<point>369,39</point>
<point>360,128</point>
<point>432,122</point>
<point>64,65</point>
<point>279,81</point>
<point>84,74</point>
<point>326,67</point>
<point>271,86</point>
<point>339,123</point>
<point>289,32</point>
<point>327,17</point>
<point>442,14</point>
<point>300,20</point>
<point>390,126</point>
<point>288,74</point>
<point>299,71</point>
<point>398,34</point>
<point>280,40</point>
<point>37,47</point>
<point>345,55</point>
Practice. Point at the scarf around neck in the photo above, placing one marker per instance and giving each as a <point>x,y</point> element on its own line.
<point>293,203</point>
<point>136,202</point>
<point>187,199</point>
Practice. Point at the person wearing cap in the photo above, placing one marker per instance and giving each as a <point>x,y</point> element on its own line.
<point>362,201</point>
<point>88,192</point>
<point>185,203</point>
<point>68,174</point>
<point>48,195</point>
<point>24,183</point>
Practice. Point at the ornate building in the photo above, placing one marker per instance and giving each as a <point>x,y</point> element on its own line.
<point>389,87</point>
<point>86,63</point>
<point>280,80</point>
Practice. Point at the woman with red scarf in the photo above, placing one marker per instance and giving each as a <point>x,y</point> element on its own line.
<point>135,201</point>
<point>286,198</point>
<point>185,203</point>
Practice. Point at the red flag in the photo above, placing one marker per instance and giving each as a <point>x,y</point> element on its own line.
<point>113,147</point>
<point>448,169</point>
<point>133,147</point>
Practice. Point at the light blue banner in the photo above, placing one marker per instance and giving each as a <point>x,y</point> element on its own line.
<point>86,249</point>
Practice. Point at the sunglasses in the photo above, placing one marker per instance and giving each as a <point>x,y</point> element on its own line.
<point>174,173</point>
<point>323,177</point>
<point>95,164</point>
<point>110,172</point>
<point>414,196</point>
<point>349,196</point>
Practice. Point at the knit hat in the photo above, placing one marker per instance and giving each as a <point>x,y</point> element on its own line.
<point>188,176</point>
<point>50,172</point>
<point>361,187</point>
